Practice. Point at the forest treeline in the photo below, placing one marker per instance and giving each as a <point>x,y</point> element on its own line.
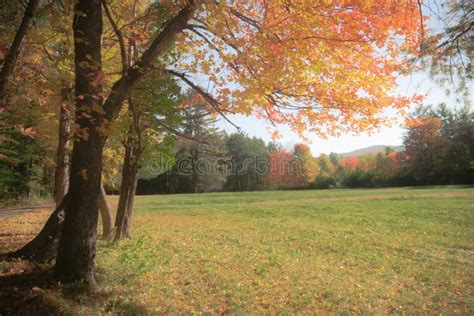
<point>439,149</point>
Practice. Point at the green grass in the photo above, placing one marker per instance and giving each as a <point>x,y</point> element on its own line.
<point>364,251</point>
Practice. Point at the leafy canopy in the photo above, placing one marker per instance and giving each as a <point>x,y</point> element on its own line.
<point>320,66</point>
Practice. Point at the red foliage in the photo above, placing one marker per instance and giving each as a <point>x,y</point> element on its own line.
<point>280,167</point>
<point>349,163</point>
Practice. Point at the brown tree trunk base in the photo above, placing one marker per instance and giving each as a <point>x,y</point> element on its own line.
<point>127,193</point>
<point>131,200</point>
<point>44,247</point>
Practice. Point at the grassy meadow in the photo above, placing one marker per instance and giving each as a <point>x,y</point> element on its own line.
<point>405,250</point>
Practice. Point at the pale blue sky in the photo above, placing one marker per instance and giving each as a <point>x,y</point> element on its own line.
<point>419,83</point>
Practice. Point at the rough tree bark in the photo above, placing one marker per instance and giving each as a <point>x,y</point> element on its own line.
<point>10,59</point>
<point>61,182</point>
<point>77,245</point>
<point>62,166</point>
<point>61,177</point>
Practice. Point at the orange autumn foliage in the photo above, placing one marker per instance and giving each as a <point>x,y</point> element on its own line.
<point>323,66</point>
<point>349,163</point>
<point>320,66</point>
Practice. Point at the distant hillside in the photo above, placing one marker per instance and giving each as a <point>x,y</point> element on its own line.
<point>370,150</point>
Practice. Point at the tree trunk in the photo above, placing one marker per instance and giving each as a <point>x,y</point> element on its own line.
<point>77,247</point>
<point>127,191</point>
<point>61,177</point>
<point>131,201</point>
<point>105,213</point>
<point>129,174</point>
<point>29,171</point>
<point>10,59</point>
<point>195,175</point>
<point>122,204</point>
<point>44,246</point>
<point>124,230</point>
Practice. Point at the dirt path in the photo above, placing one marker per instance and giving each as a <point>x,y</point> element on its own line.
<point>24,209</point>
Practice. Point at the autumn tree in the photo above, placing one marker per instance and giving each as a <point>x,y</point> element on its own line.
<point>439,145</point>
<point>423,145</point>
<point>308,166</point>
<point>349,163</point>
<point>152,116</point>
<point>386,166</point>
<point>280,169</point>
<point>457,132</point>
<point>326,168</point>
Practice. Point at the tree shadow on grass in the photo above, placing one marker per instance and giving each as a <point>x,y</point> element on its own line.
<point>36,292</point>
<point>21,294</point>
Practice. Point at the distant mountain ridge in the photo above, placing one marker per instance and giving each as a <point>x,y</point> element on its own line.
<point>370,150</point>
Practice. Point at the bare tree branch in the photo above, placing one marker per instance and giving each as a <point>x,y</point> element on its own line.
<point>179,134</point>
<point>210,99</point>
<point>118,33</point>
